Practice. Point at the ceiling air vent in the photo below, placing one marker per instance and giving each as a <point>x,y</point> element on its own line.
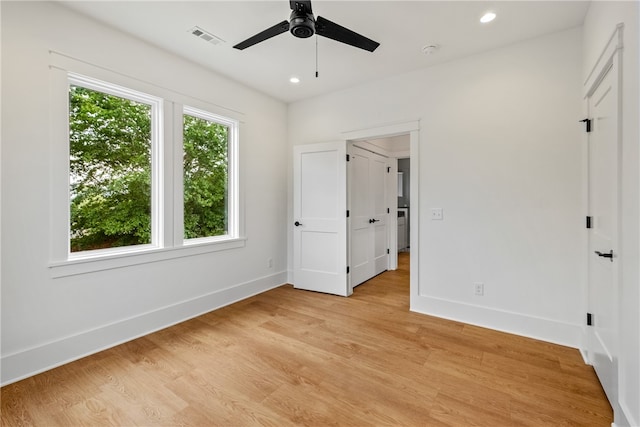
<point>205,35</point>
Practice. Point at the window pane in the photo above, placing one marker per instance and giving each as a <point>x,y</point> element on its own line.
<point>110,170</point>
<point>206,182</point>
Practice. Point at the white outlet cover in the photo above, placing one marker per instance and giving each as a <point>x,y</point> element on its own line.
<point>436,214</point>
<point>478,288</point>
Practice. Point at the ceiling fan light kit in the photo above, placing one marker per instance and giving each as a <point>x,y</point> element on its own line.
<point>303,24</point>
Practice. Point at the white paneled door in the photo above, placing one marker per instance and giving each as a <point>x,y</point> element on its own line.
<point>369,215</point>
<point>320,220</point>
<point>603,211</point>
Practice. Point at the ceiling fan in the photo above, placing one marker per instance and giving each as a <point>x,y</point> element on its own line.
<point>302,24</point>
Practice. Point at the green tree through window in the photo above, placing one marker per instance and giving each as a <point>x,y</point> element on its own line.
<point>111,142</point>
<point>110,170</point>
<point>206,183</point>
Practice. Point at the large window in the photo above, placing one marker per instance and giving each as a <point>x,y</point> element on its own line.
<point>208,141</point>
<point>118,150</point>
<point>112,142</point>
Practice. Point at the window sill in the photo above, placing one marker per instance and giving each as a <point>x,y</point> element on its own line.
<point>108,262</point>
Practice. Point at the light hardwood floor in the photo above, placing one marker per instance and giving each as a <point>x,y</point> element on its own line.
<point>289,357</point>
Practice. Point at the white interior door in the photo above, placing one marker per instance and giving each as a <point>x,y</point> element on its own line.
<point>320,220</point>
<point>368,238</point>
<point>359,218</point>
<point>380,210</point>
<point>602,246</point>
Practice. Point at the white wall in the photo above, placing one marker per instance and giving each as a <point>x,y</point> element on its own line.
<point>600,22</point>
<point>48,321</point>
<point>500,152</point>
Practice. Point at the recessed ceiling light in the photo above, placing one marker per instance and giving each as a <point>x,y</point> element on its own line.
<point>294,80</point>
<point>488,17</point>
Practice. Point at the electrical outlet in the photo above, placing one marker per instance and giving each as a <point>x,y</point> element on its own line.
<point>436,214</point>
<point>478,288</point>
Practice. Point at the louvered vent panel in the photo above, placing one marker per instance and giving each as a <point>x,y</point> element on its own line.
<point>205,35</point>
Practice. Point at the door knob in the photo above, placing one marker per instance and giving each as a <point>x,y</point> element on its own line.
<point>606,254</point>
<point>297,224</point>
<point>374,220</point>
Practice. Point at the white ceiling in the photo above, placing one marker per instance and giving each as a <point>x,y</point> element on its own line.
<point>401,27</point>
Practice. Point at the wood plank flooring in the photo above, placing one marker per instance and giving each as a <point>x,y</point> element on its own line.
<point>290,357</point>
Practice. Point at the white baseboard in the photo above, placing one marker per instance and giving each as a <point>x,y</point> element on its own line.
<point>585,356</point>
<point>624,417</point>
<point>515,323</point>
<point>32,361</point>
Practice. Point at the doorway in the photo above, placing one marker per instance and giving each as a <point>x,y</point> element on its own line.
<point>394,142</point>
<point>404,204</point>
<point>321,256</point>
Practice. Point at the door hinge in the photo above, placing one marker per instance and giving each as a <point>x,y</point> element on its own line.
<point>589,319</point>
<point>388,252</point>
<point>348,157</point>
<point>347,269</point>
<point>347,213</point>
<point>589,222</point>
<point>588,123</point>
<point>388,210</point>
<point>388,169</point>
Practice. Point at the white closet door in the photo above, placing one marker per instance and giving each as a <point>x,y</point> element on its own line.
<point>377,177</point>
<point>368,221</point>
<point>360,217</point>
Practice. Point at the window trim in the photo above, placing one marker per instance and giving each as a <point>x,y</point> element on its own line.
<point>233,216</point>
<point>169,156</point>
<point>157,170</point>
<point>119,260</point>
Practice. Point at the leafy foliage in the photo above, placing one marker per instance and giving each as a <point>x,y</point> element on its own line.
<point>110,167</point>
<point>205,178</point>
<point>110,170</point>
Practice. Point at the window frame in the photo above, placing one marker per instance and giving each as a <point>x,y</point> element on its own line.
<point>168,197</point>
<point>156,166</point>
<point>232,178</point>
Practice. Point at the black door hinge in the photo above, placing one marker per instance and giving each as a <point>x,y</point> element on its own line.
<point>347,213</point>
<point>589,222</point>
<point>388,211</point>
<point>588,122</point>
<point>388,169</point>
<point>348,157</point>
<point>388,252</point>
<point>347,269</point>
<point>589,319</point>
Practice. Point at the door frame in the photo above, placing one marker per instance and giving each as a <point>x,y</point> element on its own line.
<point>412,128</point>
<point>610,56</point>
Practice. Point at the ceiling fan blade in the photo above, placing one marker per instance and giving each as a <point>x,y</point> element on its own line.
<point>300,5</point>
<point>336,32</point>
<point>279,28</point>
